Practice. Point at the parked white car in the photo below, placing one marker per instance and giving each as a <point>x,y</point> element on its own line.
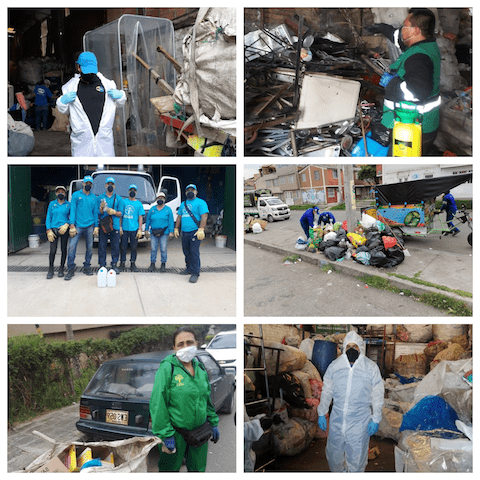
<point>223,348</point>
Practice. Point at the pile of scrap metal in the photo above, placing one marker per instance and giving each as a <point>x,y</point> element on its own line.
<point>202,108</point>
<point>310,95</point>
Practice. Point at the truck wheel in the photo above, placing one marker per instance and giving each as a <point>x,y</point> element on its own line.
<point>470,238</point>
<point>270,219</point>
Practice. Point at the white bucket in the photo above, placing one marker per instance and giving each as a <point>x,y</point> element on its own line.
<point>33,241</point>
<point>221,241</point>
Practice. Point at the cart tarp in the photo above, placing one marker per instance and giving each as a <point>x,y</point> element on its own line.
<point>417,191</point>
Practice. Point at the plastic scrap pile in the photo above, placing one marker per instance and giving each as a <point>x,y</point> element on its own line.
<point>368,244</point>
<point>429,403</point>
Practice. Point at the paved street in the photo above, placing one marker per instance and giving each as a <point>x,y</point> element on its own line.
<point>139,294</point>
<point>446,261</point>
<point>24,447</point>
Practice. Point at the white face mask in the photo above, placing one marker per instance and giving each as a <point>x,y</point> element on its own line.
<point>186,354</point>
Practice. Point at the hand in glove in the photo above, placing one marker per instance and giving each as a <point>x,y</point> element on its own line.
<point>386,78</point>
<point>63,229</point>
<point>72,232</point>
<point>372,428</point>
<point>115,94</point>
<point>96,231</point>
<point>322,422</point>
<point>138,236</point>
<point>111,211</point>
<point>147,234</point>
<point>215,434</point>
<point>170,443</point>
<point>200,234</point>
<point>50,235</point>
<point>68,97</point>
<point>176,233</point>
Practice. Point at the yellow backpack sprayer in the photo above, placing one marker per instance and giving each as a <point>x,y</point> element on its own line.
<point>407,131</point>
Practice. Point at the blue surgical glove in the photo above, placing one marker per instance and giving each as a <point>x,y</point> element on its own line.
<point>372,428</point>
<point>170,443</point>
<point>215,434</point>
<point>386,78</point>
<point>115,94</point>
<point>68,97</point>
<point>322,422</point>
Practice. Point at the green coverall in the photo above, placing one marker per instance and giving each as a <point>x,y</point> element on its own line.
<point>183,400</point>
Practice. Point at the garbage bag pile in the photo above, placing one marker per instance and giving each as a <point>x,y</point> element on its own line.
<point>368,244</point>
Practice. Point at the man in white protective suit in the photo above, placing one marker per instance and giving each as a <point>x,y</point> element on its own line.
<point>90,100</point>
<point>355,385</point>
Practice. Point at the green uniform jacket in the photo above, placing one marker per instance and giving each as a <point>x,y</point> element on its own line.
<point>180,399</point>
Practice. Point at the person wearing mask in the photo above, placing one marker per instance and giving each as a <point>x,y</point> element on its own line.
<point>160,227</point>
<point>355,385</point>
<point>90,100</point>
<point>57,224</point>
<point>131,228</point>
<point>180,404</point>
<point>325,218</point>
<point>191,221</point>
<point>415,76</point>
<point>42,96</point>
<point>83,222</point>
<point>449,205</point>
<point>307,220</point>
<point>110,208</point>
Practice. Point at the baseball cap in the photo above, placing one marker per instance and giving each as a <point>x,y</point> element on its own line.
<point>110,180</point>
<point>132,186</point>
<point>191,186</point>
<point>87,178</point>
<point>88,62</point>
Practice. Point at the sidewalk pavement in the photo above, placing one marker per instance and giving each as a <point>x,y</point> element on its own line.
<point>135,295</point>
<point>448,269</point>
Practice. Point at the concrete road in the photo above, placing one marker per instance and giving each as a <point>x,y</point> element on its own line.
<point>24,447</point>
<point>141,294</point>
<point>303,289</point>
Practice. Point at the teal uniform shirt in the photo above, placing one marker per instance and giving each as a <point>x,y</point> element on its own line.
<point>132,209</point>
<point>198,207</point>
<point>58,214</point>
<point>160,219</point>
<point>115,202</point>
<point>83,210</point>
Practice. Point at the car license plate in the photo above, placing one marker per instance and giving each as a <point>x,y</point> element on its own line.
<point>118,417</point>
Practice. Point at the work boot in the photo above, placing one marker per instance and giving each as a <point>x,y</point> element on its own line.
<point>87,271</point>
<point>115,268</point>
<point>193,278</point>
<point>50,273</point>
<point>185,272</point>
<point>162,268</point>
<point>61,271</point>
<point>133,267</point>
<point>151,268</point>
<point>69,274</point>
<point>121,267</point>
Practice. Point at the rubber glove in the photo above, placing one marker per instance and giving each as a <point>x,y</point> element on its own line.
<point>72,232</point>
<point>176,233</point>
<point>147,234</point>
<point>63,229</point>
<point>51,236</point>
<point>170,443</point>
<point>322,422</point>
<point>96,231</point>
<point>200,234</point>
<point>139,234</point>
<point>115,94</point>
<point>215,434</point>
<point>372,428</point>
<point>386,78</point>
<point>68,97</point>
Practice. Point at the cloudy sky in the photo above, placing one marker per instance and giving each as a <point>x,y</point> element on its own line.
<point>250,169</point>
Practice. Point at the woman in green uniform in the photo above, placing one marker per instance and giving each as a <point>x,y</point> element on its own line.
<point>181,400</point>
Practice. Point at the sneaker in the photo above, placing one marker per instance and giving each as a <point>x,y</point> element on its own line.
<point>455,233</point>
<point>193,279</point>
<point>69,274</point>
<point>133,267</point>
<point>87,271</point>
<point>162,268</point>
<point>50,273</point>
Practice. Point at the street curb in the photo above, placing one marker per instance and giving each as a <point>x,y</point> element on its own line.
<point>355,269</point>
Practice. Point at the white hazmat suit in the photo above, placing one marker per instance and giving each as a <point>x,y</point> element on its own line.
<point>84,142</point>
<point>357,392</point>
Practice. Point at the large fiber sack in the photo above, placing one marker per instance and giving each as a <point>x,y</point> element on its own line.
<point>293,437</point>
<point>291,358</point>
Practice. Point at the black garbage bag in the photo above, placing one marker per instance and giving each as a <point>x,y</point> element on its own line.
<point>396,255</point>
<point>362,248</point>
<point>374,240</point>
<point>378,258</point>
<point>327,243</point>
<point>334,253</point>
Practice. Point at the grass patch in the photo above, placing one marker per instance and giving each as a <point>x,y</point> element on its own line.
<point>453,307</point>
<point>292,258</point>
<point>340,206</point>
<point>327,267</point>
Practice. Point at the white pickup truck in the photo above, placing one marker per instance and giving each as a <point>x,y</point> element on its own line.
<point>146,191</point>
<point>260,203</point>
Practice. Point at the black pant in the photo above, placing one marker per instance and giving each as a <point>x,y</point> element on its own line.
<point>63,246</point>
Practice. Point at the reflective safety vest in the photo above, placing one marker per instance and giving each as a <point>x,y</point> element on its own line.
<point>430,109</point>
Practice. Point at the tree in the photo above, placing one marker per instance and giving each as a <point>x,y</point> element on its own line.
<point>368,173</point>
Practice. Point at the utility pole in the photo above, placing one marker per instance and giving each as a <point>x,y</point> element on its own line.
<point>349,189</point>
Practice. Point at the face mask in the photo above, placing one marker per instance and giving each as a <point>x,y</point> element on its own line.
<point>186,354</point>
<point>352,355</point>
<point>132,194</point>
<point>160,202</point>
<point>190,195</point>
<point>60,196</point>
<point>88,188</point>
<point>87,77</point>
<point>110,188</point>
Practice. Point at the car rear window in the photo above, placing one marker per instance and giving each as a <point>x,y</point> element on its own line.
<point>224,341</point>
<point>125,380</point>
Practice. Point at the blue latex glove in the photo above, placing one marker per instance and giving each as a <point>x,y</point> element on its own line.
<point>170,443</point>
<point>322,422</point>
<point>68,97</point>
<point>215,434</point>
<point>372,428</point>
<point>386,78</point>
<point>115,94</point>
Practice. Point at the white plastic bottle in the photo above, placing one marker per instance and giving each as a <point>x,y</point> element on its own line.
<point>111,278</point>
<point>102,277</point>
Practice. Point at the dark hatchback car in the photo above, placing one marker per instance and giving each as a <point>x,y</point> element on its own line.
<point>115,404</point>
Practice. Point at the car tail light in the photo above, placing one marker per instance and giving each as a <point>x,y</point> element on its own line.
<point>85,412</point>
